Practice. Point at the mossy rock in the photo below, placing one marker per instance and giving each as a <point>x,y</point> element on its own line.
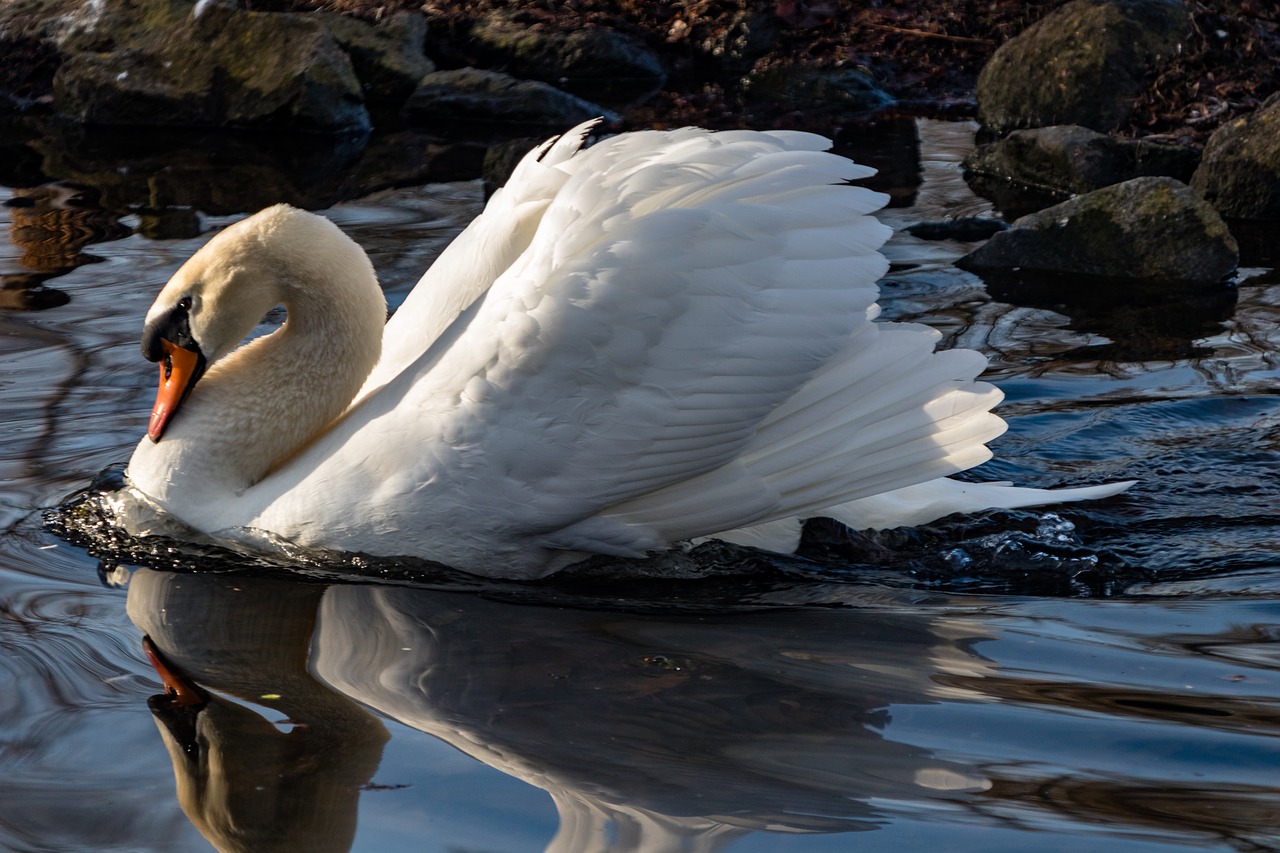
<point>447,100</point>
<point>222,67</point>
<point>817,91</point>
<point>1083,64</point>
<point>1072,159</point>
<point>1147,229</point>
<point>593,62</point>
<point>1240,171</point>
<point>388,57</point>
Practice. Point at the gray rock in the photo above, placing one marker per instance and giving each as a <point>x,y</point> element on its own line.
<point>1083,64</point>
<point>50,20</point>
<point>388,58</point>
<point>592,62</point>
<point>1240,171</point>
<point>817,91</point>
<point>501,159</point>
<point>223,67</point>
<point>445,99</point>
<point>1150,229</point>
<point>1073,159</point>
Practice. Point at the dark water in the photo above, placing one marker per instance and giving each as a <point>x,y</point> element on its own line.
<point>1094,678</point>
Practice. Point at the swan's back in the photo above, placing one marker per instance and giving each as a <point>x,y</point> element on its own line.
<point>668,336</point>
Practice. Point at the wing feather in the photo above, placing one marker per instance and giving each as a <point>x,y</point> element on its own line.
<point>666,335</point>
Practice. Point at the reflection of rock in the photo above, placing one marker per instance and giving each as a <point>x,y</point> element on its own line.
<point>53,223</point>
<point>1074,159</point>
<point>219,172</point>
<point>1240,171</point>
<point>1147,229</point>
<point>467,97</point>
<point>1082,64</point>
<point>24,292</point>
<point>19,163</point>
<point>593,63</point>
<point>966,230</point>
<point>891,147</point>
<point>245,783</point>
<point>1144,322</point>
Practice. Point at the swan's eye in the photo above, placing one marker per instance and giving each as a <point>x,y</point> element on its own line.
<point>184,303</point>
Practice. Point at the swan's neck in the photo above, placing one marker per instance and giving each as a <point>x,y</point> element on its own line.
<point>268,399</point>
<point>265,402</point>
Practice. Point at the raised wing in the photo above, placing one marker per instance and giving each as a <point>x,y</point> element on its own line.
<point>677,341</point>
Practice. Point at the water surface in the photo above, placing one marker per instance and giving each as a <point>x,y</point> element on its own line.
<point>1099,677</point>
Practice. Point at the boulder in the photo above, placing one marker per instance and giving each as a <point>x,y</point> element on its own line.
<point>1083,64</point>
<point>1240,171</point>
<point>1071,159</point>
<point>1149,229</point>
<point>388,58</point>
<point>217,66</point>
<point>591,62</point>
<point>447,99</point>
<point>501,159</point>
<point>816,91</point>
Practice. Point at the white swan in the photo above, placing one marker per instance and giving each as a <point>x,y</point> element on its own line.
<point>664,336</point>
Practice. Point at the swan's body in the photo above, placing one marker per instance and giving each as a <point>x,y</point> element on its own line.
<point>664,336</point>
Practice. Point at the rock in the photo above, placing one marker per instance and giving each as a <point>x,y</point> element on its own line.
<point>593,62</point>
<point>1240,171</point>
<point>501,159</point>
<point>446,99</point>
<point>222,67</point>
<point>388,58</point>
<point>1151,229</point>
<point>817,91</point>
<point>1072,159</point>
<point>1083,64</point>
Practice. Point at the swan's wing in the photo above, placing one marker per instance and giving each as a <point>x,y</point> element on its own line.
<point>682,346</point>
<point>477,256</point>
<point>680,288</point>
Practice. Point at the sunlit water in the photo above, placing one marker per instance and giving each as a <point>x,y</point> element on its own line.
<point>1095,678</point>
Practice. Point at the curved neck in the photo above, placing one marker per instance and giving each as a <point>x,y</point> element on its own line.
<point>264,402</point>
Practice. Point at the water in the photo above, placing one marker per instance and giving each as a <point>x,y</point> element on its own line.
<point>1098,677</point>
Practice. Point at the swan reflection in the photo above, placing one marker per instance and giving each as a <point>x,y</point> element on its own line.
<point>650,732</point>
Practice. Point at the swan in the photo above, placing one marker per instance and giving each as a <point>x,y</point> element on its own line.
<point>663,336</point>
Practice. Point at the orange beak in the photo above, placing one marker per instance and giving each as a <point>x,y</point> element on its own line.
<point>181,691</point>
<point>179,370</point>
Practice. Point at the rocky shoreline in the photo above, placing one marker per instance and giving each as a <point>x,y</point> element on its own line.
<point>338,93</point>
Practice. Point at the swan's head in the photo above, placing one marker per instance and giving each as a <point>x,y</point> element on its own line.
<point>217,297</point>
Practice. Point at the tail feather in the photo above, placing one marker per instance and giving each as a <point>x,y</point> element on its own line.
<point>930,501</point>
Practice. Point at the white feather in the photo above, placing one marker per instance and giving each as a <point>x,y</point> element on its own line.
<point>667,335</point>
